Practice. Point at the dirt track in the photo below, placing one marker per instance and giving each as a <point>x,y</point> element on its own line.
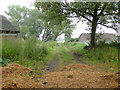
<point>52,65</point>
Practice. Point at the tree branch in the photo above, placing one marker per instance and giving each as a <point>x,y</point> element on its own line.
<point>103,8</point>
<point>108,26</point>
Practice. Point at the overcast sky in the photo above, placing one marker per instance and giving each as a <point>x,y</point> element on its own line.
<point>80,27</point>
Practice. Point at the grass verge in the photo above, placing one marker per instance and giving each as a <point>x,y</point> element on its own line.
<point>104,57</point>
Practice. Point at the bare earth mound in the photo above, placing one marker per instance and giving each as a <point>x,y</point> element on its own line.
<point>71,76</point>
<point>80,76</point>
<point>15,76</point>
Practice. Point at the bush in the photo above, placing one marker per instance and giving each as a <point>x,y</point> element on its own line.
<point>113,44</point>
<point>73,40</point>
<point>101,43</point>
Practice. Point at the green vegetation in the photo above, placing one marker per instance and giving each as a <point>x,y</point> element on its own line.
<point>35,22</point>
<point>107,55</point>
<point>15,49</point>
<point>65,57</point>
<point>70,76</point>
<point>76,47</point>
<point>30,53</point>
<point>87,12</point>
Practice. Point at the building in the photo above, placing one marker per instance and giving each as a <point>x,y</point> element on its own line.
<point>108,37</point>
<point>7,29</point>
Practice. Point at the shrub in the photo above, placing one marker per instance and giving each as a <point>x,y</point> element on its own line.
<point>101,43</point>
<point>113,44</point>
<point>73,40</point>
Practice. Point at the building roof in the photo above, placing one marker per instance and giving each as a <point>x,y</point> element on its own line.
<point>6,26</point>
<point>101,36</point>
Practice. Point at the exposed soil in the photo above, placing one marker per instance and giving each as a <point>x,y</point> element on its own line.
<point>15,76</point>
<point>77,57</point>
<point>72,76</point>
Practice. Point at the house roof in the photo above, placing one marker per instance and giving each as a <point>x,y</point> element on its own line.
<point>7,26</point>
<point>102,36</point>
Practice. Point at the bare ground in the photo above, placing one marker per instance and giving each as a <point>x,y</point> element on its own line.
<point>72,76</point>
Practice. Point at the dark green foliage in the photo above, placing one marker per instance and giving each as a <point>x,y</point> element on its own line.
<point>114,44</point>
<point>86,47</point>
<point>31,71</point>
<point>5,61</point>
<point>73,40</point>
<point>111,44</point>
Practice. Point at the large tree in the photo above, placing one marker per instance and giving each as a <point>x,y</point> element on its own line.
<point>55,24</point>
<point>92,13</point>
<point>36,22</point>
<point>25,19</point>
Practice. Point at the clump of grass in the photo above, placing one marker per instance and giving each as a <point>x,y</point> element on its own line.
<point>70,76</point>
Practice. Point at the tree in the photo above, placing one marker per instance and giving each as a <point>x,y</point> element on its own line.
<point>17,14</point>
<point>55,23</point>
<point>36,22</point>
<point>52,31</point>
<point>25,19</point>
<point>93,13</point>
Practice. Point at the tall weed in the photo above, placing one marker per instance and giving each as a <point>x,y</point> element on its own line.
<point>15,49</point>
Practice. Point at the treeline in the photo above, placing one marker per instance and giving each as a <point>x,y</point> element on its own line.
<point>35,22</point>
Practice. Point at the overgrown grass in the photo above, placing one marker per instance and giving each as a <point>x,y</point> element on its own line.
<point>30,53</point>
<point>76,47</point>
<point>65,57</point>
<point>15,49</point>
<point>98,56</point>
<point>102,55</point>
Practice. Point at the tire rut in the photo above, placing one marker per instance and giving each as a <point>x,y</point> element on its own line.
<point>76,58</point>
<point>52,65</point>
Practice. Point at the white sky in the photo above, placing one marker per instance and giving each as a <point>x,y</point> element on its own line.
<point>80,27</point>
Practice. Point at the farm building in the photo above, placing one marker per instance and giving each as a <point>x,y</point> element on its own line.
<point>108,37</point>
<point>7,29</point>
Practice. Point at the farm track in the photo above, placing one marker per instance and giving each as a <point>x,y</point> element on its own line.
<point>52,65</point>
<point>76,58</point>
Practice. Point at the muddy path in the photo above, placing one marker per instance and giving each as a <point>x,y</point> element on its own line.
<point>52,65</point>
<point>76,57</point>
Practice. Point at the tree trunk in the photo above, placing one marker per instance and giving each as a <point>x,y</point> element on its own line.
<point>94,26</point>
<point>93,31</point>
